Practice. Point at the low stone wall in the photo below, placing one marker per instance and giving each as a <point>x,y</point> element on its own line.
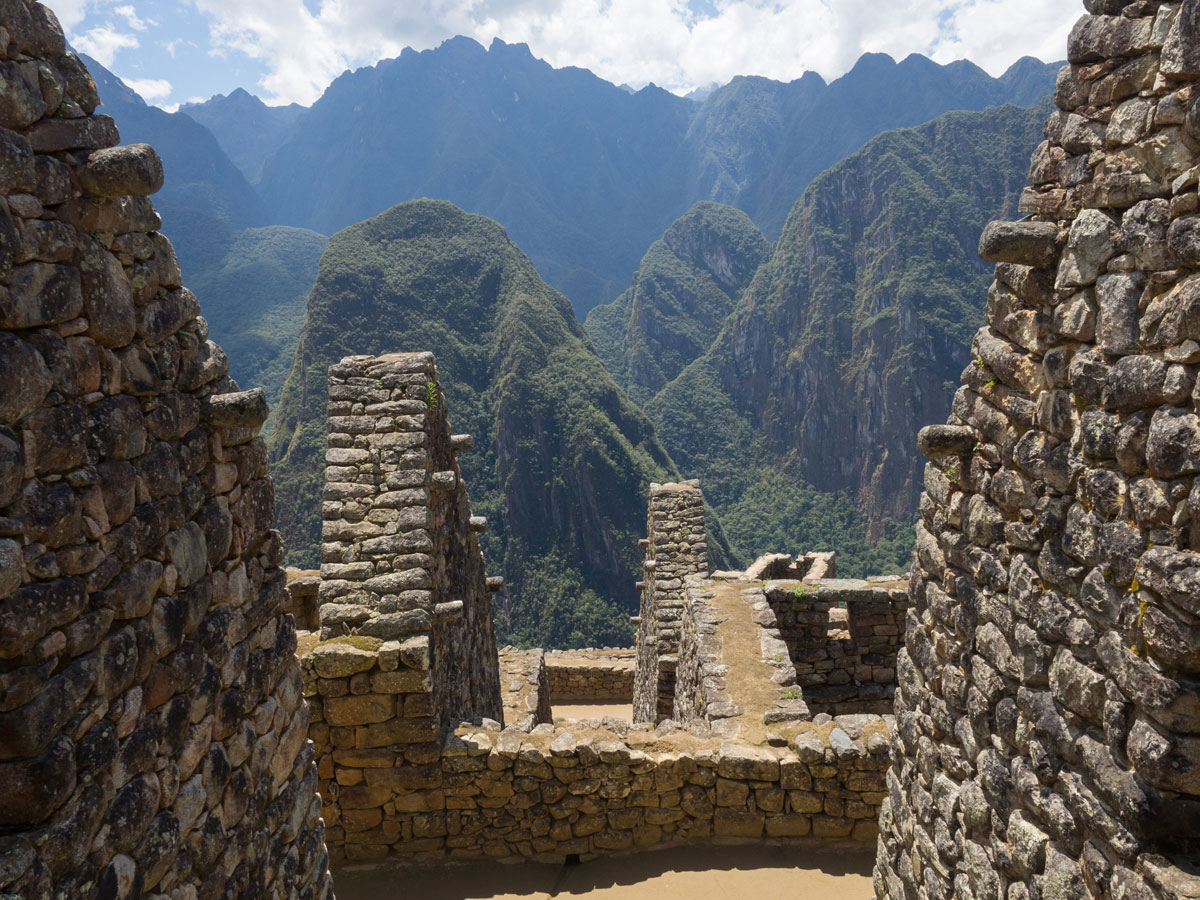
<point>701,698</point>
<point>578,790</point>
<point>591,675</point>
<point>524,688</point>
<point>842,636</point>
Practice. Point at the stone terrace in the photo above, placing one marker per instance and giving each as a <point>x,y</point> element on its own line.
<point>732,752</point>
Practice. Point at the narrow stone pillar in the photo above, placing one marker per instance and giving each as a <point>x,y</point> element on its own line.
<point>676,547</point>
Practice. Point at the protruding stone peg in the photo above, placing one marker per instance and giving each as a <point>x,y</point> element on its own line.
<point>448,612</point>
<point>462,442</point>
<point>641,585</point>
<point>479,523</point>
<point>635,620</point>
<point>243,409</point>
<point>443,481</point>
<point>945,440</point>
<point>121,171</point>
<point>644,542</point>
<point>1027,243</point>
<point>495,583</point>
<point>650,565</point>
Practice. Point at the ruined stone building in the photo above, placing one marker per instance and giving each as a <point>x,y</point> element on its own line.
<point>1018,719</point>
<point>153,730</point>
<point>1047,710</point>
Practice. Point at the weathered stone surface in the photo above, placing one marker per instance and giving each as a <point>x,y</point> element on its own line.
<point>141,638</point>
<point>25,377</point>
<point>40,294</point>
<point>1048,678</point>
<point>117,171</point>
<point>1025,243</point>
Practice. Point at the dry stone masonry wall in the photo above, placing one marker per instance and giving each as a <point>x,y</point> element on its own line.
<point>400,556</point>
<point>398,785</point>
<point>1047,702</point>
<point>153,734</point>
<point>591,675</point>
<point>676,546</point>
<point>842,637</point>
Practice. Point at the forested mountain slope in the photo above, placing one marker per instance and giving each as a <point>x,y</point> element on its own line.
<point>562,458</point>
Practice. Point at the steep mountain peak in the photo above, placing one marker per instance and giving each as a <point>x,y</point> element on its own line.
<point>686,285</point>
<point>562,457</point>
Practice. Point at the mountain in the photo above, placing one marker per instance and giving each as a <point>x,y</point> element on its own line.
<point>255,296</point>
<point>562,458</point>
<point>685,286</point>
<point>585,174</point>
<point>246,128</point>
<point>757,143</point>
<point>204,194</point>
<point>849,339</point>
<point>252,283</point>
<point>580,172</point>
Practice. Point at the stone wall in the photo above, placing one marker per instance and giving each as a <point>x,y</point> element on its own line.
<point>152,723</point>
<point>676,547</point>
<point>591,675</point>
<point>400,559</point>
<point>1047,704</point>
<point>524,689</point>
<point>701,697</point>
<point>842,637</point>
<point>585,789</point>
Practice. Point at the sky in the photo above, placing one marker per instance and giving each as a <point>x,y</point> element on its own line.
<point>285,51</point>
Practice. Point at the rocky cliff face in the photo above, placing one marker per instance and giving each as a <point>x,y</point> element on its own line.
<point>686,285</point>
<point>850,336</point>
<point>1047,703</point>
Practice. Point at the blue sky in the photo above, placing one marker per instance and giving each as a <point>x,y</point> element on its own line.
<point>171,51</point>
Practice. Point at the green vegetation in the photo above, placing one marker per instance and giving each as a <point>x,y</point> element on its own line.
<point>562,459</point>
<point>799,419</point>
<point>255,297</point>
<point>687,283</point>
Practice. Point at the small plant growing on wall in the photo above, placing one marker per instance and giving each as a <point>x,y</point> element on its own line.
<point>431,396</point>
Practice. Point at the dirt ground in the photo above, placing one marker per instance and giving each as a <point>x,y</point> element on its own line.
<point>749,872</point>
<point>564,711</point>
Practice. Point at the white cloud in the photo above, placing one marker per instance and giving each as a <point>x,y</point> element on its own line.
<point>71,12</point>
<point>636,41</point>
<point>104,42</point>
<point>129,14</point>
<point>152,90</point>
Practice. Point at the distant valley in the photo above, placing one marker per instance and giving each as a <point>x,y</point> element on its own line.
<point>764,308</point>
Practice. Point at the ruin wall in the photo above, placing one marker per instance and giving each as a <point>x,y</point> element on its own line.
<point>579,790</point>
<point>591,675</point>
<point>400,560</point>
<point>1047,699</point>
<point>842,637</point>
<point>676,547</point>
<point>153,733</point>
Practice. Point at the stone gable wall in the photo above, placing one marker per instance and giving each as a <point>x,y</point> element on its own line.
<point>676,547</point>
<point>1047,701</point>
<point>400,558</point>
<point>153,734</point>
